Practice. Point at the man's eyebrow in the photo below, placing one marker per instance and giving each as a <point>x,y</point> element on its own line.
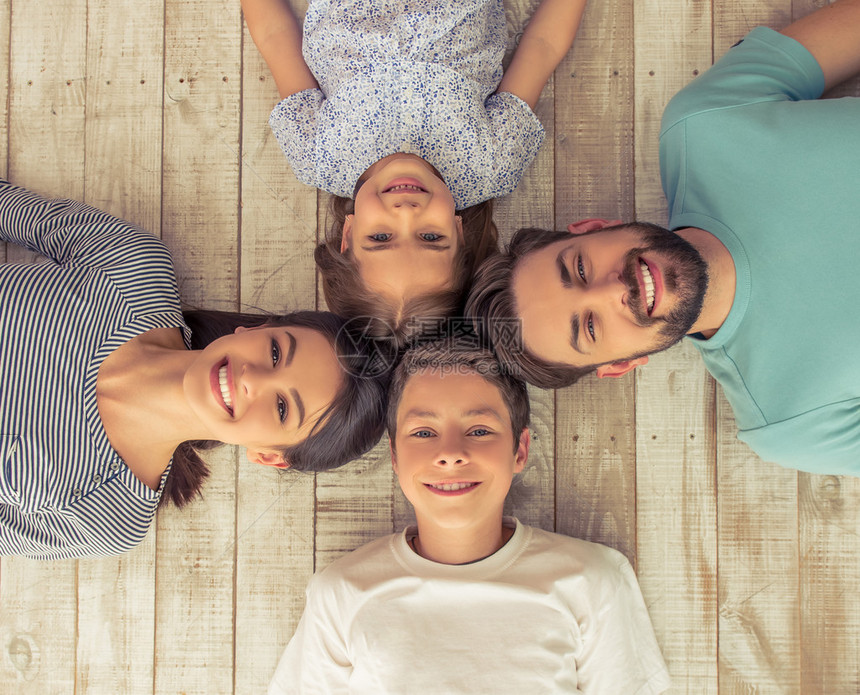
<point>574,334</point>
<point>291,349</point>
<point>562,269</point>
<point>300,406</point>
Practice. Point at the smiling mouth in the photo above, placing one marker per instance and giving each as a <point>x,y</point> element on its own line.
<point>648,281</point>
<point>224,385</point>
<point>405,188</point>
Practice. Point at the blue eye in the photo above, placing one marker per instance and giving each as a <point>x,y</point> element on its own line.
<point>429,236</point>
<point>379,238</point>
<point>276,352</point>
<point>479,432</point>
<point>422,434</point>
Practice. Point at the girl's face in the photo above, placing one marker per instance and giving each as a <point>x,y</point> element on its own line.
<point>404,234</point>
<point>263,388</point>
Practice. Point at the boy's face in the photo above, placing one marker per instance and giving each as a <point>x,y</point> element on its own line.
<point>454,450</point>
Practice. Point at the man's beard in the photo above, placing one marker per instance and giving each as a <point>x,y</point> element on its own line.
<point>685,275</point>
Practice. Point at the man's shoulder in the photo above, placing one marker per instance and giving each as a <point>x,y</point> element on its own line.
<point>763,66</point>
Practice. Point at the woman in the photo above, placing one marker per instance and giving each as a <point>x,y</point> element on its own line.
<point>103,385</point>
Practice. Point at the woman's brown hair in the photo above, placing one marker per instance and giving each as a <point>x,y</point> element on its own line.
<point>346,294</point>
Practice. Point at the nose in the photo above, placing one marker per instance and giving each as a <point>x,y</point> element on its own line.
<point>609,292</point>
<point>406,204</point>
<point>252,380</point>
<point>451,452</point>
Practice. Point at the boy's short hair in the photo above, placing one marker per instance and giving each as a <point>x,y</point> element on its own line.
<point>452,357</point>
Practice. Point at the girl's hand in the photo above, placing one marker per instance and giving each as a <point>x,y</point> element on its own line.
<point>278,37</point>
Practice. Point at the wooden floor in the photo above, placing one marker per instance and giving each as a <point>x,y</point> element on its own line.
<point>155,110</point>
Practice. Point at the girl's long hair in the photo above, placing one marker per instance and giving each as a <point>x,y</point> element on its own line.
<point>346,294</point>
<point>350,426</point>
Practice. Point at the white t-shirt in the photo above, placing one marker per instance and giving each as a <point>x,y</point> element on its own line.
<point>545,614</point>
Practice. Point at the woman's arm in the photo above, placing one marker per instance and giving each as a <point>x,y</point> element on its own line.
<point>544,44</point>
<point>278,37</point>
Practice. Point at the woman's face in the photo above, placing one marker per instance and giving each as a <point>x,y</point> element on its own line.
<point>404,234</point>
<point>264,388</point>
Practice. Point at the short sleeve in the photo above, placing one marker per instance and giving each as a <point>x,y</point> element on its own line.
<point>619,651</point>
<point>294,121</point>
<point>316,658</point>
<point>517,135</point>
<point>764,66</point>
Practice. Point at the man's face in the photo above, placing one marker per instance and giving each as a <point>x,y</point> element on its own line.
<point>454,451</point>
<point>608,295</point>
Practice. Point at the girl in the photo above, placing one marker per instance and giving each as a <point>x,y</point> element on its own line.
<point>401,110</point>
<point>105,390</point>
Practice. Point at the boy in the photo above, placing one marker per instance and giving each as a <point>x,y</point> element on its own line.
<point>469,601</point>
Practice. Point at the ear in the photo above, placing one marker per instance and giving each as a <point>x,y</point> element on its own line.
<point>522,454</point>
<point>346,236</point>
<point>617,369</point>
<point>267,458</point>
<point>592,224</point>
<point>393,454</point>
<point>240,329</point>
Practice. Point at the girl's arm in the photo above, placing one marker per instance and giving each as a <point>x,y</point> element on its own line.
<point>278,37</point>
<point>544,43</point>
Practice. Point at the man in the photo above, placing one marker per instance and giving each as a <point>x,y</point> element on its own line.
<point>764,203</point>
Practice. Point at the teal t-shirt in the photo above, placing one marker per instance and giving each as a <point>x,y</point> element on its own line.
<point>749,154</point>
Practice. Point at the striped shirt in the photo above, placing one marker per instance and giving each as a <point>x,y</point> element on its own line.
<point>64,491</point>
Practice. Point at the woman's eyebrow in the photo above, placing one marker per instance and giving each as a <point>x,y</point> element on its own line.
<point>291,349</point>
<point>300,406</point>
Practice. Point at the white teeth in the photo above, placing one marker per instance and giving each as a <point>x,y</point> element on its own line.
<point>405,187</point>
<point>649,285</point>
<point>225,389</point>
<point>452,486</point>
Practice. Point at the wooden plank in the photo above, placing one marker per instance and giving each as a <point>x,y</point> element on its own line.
<point>595,442</point>
<point>594,118</point>
<point>596,463</point>
<point>195,580</point>
<point>46,100</point>
<point>202,69</point>
<point>194,584</point>
<point>6,13</point>
<point>123,109</point>
<point>676,513</point>
<point>278,214</point>
<point>116,617</point>
<point>759,645</point>
<point>275,511</point>
<point>116,622</point>
<point>47,44</point>
<point>829,583</point>
<point>354,505</point>
<point>274,562</point>
<point>672,45</point>
<point>37,626</point>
